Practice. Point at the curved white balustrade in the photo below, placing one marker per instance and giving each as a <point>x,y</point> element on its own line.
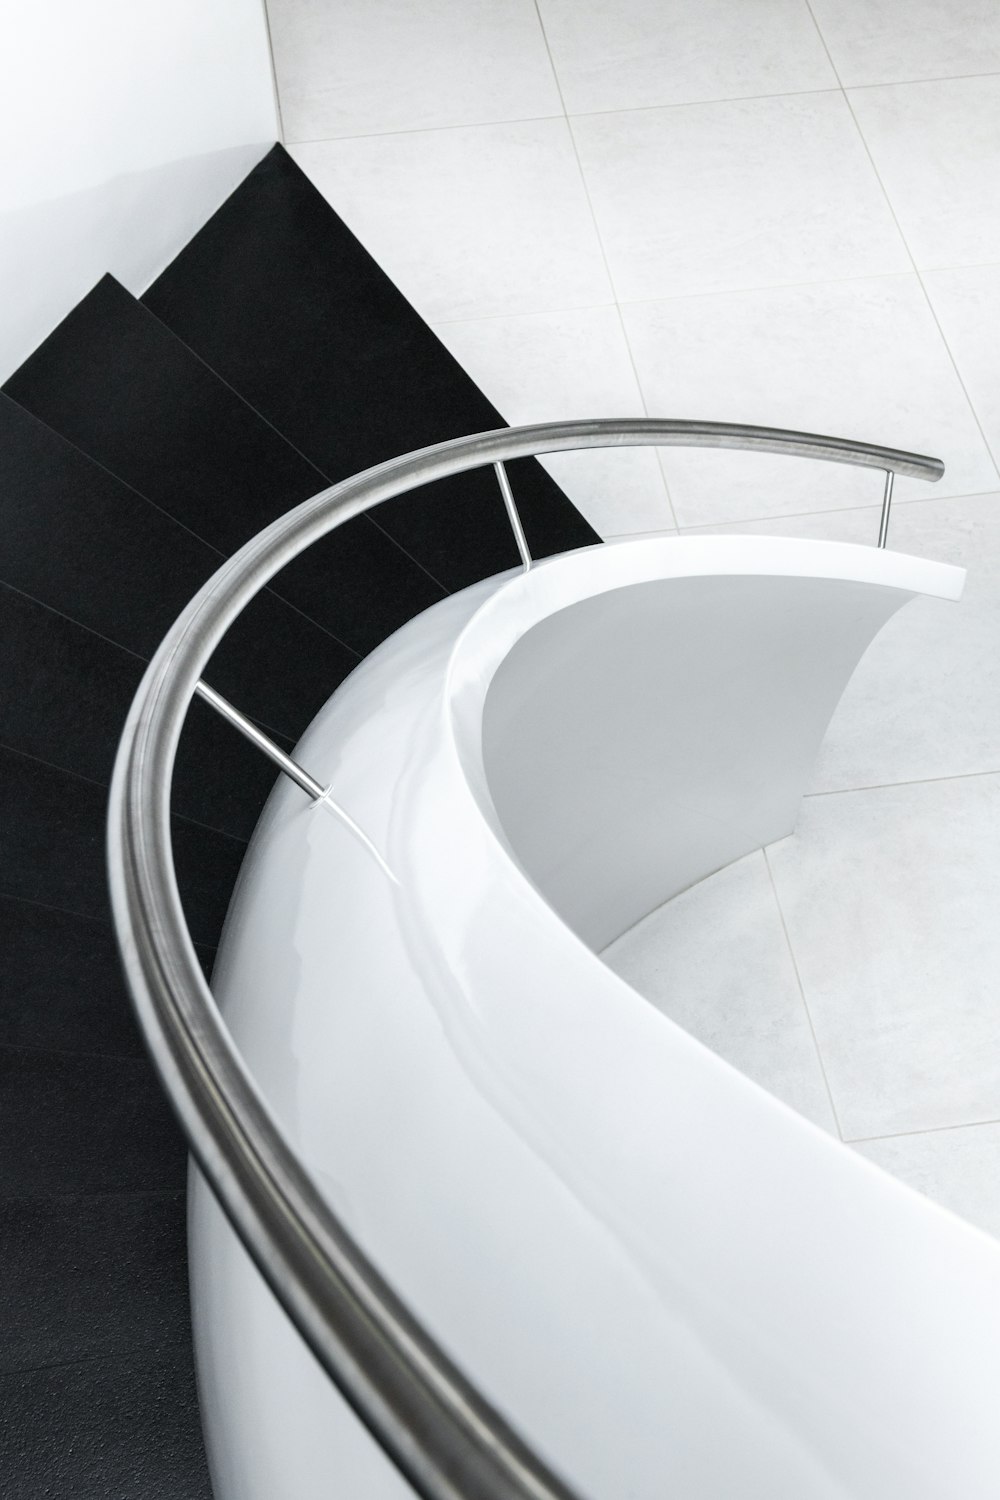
<point>673,1285</point>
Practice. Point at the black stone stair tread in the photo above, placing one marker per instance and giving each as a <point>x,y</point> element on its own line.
<point>85,1123</point>
<point>280,298</point>
<point>114,1430</point>
<point>90,1276</point>
<point>77,539</point>
<point>116,382</point>
<point>52,851</point>
<point>63,989</point>
<point>68,692</point>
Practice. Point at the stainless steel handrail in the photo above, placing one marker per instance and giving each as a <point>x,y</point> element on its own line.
<point>448,1441</point>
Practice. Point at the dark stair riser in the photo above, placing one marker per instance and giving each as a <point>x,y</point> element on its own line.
<point>133,397</point>
<point>281,299</point>
<point>52,851</point>
<point>68,694</point>
<point>102,555</point>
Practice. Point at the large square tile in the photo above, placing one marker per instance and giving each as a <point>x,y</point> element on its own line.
<point>967,303</point>
<point>637,53</point>
<point>715,960</point>
<point>889,41</point>
<point>890,897</point>
<point>960,1169</point>
<point>547,367</point>
<point>937,150</point>
<point>858,359</point>
<point>475,222</point>
<point>708,197</point>
<point>925,700</point>
<point>363,67</point>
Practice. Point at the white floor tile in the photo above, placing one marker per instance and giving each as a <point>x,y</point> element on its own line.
<point>364,67</point>
<point>890,897</point>
<point>967,302</point>
<point>546,367</point>
<point>925,701</point>
<point>707,197</point>
<point>474,222</point>
<point>636,53</point>
<point>960,1169</point>
<point>861,359</point>
<point>937,150</point>
<point>715,960</point>
<point>890,41</point>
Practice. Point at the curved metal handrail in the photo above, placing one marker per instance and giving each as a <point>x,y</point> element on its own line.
<point>449,1442</point>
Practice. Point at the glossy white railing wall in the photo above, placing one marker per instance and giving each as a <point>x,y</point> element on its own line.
<point>666,1280</point>
<point>443,1433</point>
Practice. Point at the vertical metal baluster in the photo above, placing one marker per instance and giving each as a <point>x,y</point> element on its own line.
<point>292,769</point>
<point>883,530</point>
<point>512,515</point>
<point>239,721</point>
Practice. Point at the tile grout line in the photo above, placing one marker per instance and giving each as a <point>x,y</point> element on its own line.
<point>724,291</point>
<point>628,109</point>
<point>383,135</point>
<point>901,1135</point>
<point>885,786</point>
<point>904,241</point>
<point>607,264</point>
<point>705,528</point>
<point>802,993</point>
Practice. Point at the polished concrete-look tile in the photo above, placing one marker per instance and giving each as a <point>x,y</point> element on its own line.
<point>937,150</point>
<point>890,899</point>
<point>716,961</point>
<point>638,53</point>
<point>967,304</point>
<point>364,67</point>
<point>546,367</point>
<point>862,359</point>
<point>925,700</point>
<point>711,197</point>
<point>957,1168</point>
<point>472,222</point>
<point>892,41</point>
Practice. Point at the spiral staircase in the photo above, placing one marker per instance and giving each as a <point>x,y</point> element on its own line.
<point>513,743</point>
<point>140,445</point>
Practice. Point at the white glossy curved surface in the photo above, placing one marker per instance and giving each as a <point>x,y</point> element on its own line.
<point>673,1284</point>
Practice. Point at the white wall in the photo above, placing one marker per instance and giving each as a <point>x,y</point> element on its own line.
<point>125,123</point>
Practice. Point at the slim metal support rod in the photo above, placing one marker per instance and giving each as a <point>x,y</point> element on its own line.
<point>239,721</point>
<point>883,530</point>
<point>512,515</point>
